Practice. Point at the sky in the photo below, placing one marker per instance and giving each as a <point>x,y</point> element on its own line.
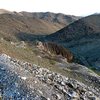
<point>71,7</point>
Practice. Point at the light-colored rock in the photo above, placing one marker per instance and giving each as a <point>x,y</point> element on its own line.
<point>24,78</point>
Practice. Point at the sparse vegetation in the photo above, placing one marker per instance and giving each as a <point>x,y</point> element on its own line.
<point>0,98</point>
<point>52,62</point>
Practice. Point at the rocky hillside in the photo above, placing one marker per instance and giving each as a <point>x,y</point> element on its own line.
<point>23,80</point>
<point>82,37</point>
<point>28,73</point>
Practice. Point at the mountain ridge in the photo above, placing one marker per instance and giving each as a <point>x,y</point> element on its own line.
<point>52,17</point>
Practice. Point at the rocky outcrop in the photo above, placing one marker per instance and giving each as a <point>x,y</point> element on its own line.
<point>55,49</point>
<point>22,80</point>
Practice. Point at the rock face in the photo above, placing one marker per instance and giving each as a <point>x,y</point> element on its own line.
<point>55,49</point>
<point>24,81</point>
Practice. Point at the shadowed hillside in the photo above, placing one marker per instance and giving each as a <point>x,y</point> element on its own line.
<point>83,38</point>
<point>85,27</point>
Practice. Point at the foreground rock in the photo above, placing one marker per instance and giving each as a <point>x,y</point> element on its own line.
<point>24,81</point>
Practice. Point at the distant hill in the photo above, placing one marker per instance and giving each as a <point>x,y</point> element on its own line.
<point>83,38</point>
<point>53,17</point>
<point>23,24</point>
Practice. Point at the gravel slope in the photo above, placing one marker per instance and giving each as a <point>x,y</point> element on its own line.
<point>24,81</point>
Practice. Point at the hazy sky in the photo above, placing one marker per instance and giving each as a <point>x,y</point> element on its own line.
<point>73,7</point>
